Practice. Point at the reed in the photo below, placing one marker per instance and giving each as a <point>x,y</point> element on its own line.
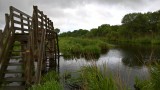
<point>93,77</point>
<point>80,47</point>
<point>153,83</point>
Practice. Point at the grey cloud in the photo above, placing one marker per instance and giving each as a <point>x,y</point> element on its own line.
<point>24,5</point>
<point>56,9</point>
<point>74,3</point>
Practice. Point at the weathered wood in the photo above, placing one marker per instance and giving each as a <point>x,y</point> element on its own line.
<point>57,52</point>
<point>14,9</point>
<point>7,41</point>
<point>21,23</point>
<point>13,87</point>
<point>18,28</point>
<point>18,16</point>
<point>14,64</point>
<point>38,41</point>
<point>10,79</point>
<point>1,42</point>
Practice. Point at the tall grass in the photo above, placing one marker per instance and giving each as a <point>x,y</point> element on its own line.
<point>93,78</point>
<point>49,82</point>
<point>81,47</point>
<point>153,83</point>
<point>87,78</point>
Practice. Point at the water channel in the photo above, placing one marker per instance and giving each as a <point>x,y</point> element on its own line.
<point>128,61</point>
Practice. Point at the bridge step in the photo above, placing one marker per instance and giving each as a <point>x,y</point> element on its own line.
<point>12,88</point>
<point>15,79</point>
<point>19,44</point>
<point>16,57</point>
<point>14,64</point>
<point>14,71</point>
<point>21,37</point>
<point>17,51</point>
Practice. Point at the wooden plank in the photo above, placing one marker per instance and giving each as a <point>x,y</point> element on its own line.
<point>14,9</point>
<point>18,16</point>
<point>14,71</point>
<point>21,23</point>
<point>16,57</point>
<point>18,51</point>
<point>15,64</point>
<point>21,38</point>
<point>4,56</point>
<point>14,79</point>
<point>22,29</point>
<point>42,20</point>
<point>12,88</point>
<point>1,43</point>
<point>57,44</point>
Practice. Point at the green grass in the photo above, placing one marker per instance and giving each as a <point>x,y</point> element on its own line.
<point>153,83</point>
<point>93,78</point>
<point>49,82</point>
<point>138,40</point>
<point>16,48</point>
<point>80,47</point>
<point>87,78</point>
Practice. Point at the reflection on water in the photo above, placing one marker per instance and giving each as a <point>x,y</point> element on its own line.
<point>127,61</point>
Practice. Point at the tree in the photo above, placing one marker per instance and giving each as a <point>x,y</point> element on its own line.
<point>57,30</point>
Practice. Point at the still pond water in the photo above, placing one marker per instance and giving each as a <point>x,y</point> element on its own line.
<point>125,60</point>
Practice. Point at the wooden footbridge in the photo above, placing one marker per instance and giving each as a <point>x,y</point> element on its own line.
<point>28,45</point>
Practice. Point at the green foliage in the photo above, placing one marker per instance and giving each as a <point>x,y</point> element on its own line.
<point>50,76</point>
<point>153,83</point>
<point>135,28</point>
<point>16,48</point>
<point>80,47</point>
<point>49,82</point>
<point>93,79</point>
<point>49,85</point>
<point>75,33</point>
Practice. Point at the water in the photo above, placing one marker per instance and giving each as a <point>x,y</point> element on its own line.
<point>127,61</point>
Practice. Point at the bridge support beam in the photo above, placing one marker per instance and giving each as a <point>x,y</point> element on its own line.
<point>1,42</point>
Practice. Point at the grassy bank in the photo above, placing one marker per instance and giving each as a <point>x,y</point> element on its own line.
<point>153,83</point>
<point>137,40</point>
<point>82,47</point>
<point>87,78</point>
<point>49,82</point>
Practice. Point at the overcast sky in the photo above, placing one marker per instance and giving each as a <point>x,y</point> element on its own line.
<point>69,15</point>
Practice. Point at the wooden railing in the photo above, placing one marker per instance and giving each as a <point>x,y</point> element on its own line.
<point>1,33</point>
<point>41,42</point>
<point>20,22</point>
<point>6,35</point>
<point>45,44</point>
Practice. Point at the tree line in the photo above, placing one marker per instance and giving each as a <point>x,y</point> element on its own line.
<point>134,25</point>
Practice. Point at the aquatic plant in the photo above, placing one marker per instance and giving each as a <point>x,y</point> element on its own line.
<point>82,47</point>
<point>93,77</point>
<point>151,84</point>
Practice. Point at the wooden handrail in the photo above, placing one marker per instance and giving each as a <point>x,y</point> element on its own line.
<point>41,38</point>
<point>16,10</point>
<point>1,42</point>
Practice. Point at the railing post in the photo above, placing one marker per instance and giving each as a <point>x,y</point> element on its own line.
<point>57,45</point>
<point>1,42</point>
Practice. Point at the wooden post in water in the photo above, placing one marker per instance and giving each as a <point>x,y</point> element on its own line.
<point>0,42</point>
